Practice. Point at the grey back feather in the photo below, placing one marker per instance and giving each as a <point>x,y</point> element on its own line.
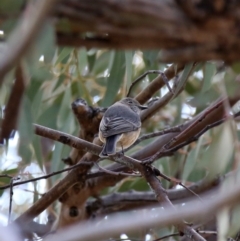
<point>118,119</point>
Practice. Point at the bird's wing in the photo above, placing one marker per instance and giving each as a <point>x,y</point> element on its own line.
<point>117,125</point>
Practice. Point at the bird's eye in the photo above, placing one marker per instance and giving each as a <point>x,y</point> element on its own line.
<point>130,102</point>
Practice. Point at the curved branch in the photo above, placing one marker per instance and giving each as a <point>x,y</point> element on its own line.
<point>134,200</point>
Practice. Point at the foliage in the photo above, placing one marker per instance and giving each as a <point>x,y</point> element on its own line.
<point>101,77</point>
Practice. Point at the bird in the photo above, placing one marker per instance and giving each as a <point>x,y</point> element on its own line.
<point>120,126</point>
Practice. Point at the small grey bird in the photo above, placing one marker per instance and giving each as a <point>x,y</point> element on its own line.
<point>120,125</point>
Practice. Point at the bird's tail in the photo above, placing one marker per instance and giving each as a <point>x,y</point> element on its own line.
<point>110,146</point>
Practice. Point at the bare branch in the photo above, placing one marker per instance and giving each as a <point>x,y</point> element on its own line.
<point>192,209</point>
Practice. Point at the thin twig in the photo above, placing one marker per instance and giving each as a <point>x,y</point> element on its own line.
<point>161,73</point>
<point>207,232</point>
<point>161,102</point>
<point>167,236</point>
<point>45,176</point>
<point>89,176</point>
<point>156,134</point>
<point>10,199</point>
<point>116,173</point>
<point>165,151</point>
<point>195,194</point>
<point>158,173</point>
<point>6,175</point>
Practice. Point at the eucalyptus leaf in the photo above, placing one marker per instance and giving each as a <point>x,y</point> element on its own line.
<point>11,6</point>
<point>209,71</point>
<point>56,162</point>
<point>82,60</point>
<point>43,46</point>
<point>183,78</point>
<point>192,159</point>
<point>60,150</point>
<point>64,110</point>
<point>115,78</point>
<point>36,105</point>
<point>150,57</point>
<point>25,129</point>
<point>48,117</point>
<point>38,151</point>
<point>64,55</point>
<point>91,60</point>
<point>102,62</point>
<point>129,67</point>
<point>236,67</point>
<point>218,155</point>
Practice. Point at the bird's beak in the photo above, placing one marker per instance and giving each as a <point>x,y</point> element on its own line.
<point>142,107</point>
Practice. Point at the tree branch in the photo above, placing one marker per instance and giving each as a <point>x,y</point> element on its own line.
<point>202,33</point>
<point>216,201</point>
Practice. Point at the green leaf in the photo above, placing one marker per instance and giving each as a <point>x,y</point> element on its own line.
<point>36,104</point>
<point>46,42</point>
<point>4,90</point>
<point>102,62</point>
<point>33,89</point>
<point>231,85</point>
<point>56,163</point>
<point>129,67</point>
<point>11,6</point>
<point>236,67</point>
<point>219,153</point>
<point>44,45</point>
<point>83,91</point>
<point>150,57</point>
<point>8,26</point>
<point>183,79</point>
<point>64,55</point>
<point>26,152</point>
<point>192,159</point>
<point>59,81</point>
<point>201,100</point>
<point>138,184</point>
<point>5,180</point>
<point>64,110</point>
<point>209,70</point>
<point>91,60</point>
<point>25,129</point>
<point>38,151</point>
<point>49,116</point>
<point>115,79</point>
<point>60,149</point>
<point>192,88</point>
<point>82,60</point>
